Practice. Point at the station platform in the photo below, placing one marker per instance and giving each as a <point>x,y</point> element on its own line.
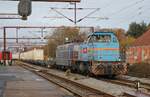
<point>16,81</point>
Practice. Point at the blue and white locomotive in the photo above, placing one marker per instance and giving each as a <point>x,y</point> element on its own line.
<point>99,55</point>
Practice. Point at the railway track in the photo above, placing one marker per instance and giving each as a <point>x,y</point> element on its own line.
<point>77,89</point>
<point>81,90</point>
<point>133,84</point>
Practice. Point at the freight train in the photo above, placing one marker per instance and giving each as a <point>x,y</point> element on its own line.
<point>5,58</point>
<point>98,55</point>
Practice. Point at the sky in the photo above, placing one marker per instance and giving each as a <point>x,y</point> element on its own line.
<point>120,14</point>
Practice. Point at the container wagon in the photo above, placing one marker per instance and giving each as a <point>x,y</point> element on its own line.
<point>33,56</point>
<point>15,56</point>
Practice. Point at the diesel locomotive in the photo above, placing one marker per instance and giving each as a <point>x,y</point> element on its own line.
<point>98,55</point>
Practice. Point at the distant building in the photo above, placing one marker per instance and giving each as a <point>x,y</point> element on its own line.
<point>140,49</point>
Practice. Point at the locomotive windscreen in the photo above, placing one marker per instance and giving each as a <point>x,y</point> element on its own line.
<point>100,38</point>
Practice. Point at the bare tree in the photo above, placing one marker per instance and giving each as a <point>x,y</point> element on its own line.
<point>58,38</point>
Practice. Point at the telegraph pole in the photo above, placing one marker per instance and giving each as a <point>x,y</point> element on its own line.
<point>4,54</point>
<point>75,13</point>
<point>17,35</point>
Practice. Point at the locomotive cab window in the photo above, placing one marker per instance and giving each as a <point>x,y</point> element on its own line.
<point>100,38</point>
<point>114,39</point>
<point>92,38</point>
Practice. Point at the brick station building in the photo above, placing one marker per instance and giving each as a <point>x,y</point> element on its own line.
<point>140,50</point>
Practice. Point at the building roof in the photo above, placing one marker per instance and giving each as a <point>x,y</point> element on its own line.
<point>143,40</point>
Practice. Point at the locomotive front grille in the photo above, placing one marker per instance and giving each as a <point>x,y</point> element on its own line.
<point>108,68</point>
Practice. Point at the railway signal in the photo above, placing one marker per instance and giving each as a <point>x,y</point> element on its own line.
<point>24,8</point>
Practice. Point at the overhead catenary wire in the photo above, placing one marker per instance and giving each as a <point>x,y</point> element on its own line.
<point>138,12</point>
<point>62,15</point>
<point>134,14</point>
<point>88,15</point>
<point>79,8</point>
<point>71,8</point>
<point>127,7</point>
<point>124,8</point>
<point>79,20</point>
<point>123,20</point>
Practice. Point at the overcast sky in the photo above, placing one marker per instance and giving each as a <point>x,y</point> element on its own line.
<point>120,13</point>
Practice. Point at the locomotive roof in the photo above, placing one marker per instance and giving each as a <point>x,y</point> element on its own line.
<point>101,32</point>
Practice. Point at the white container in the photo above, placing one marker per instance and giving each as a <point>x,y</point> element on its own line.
<point>34,54</point>
<point>15,56</point>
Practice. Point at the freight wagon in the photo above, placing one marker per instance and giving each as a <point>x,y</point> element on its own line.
<point>15,56</point>
<point>33,56</point>
<point>98,55</point>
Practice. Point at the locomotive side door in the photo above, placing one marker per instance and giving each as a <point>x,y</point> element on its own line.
<point>85,50</point>
<point>90,45</point>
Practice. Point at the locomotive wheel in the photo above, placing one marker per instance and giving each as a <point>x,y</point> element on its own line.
<point>83,67</point>
<point>111,76</point>
<point>74,68</point>
<point>89,73</point>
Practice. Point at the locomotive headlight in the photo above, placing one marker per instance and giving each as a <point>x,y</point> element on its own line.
<point>84,50</point>
<point>119,59</point>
